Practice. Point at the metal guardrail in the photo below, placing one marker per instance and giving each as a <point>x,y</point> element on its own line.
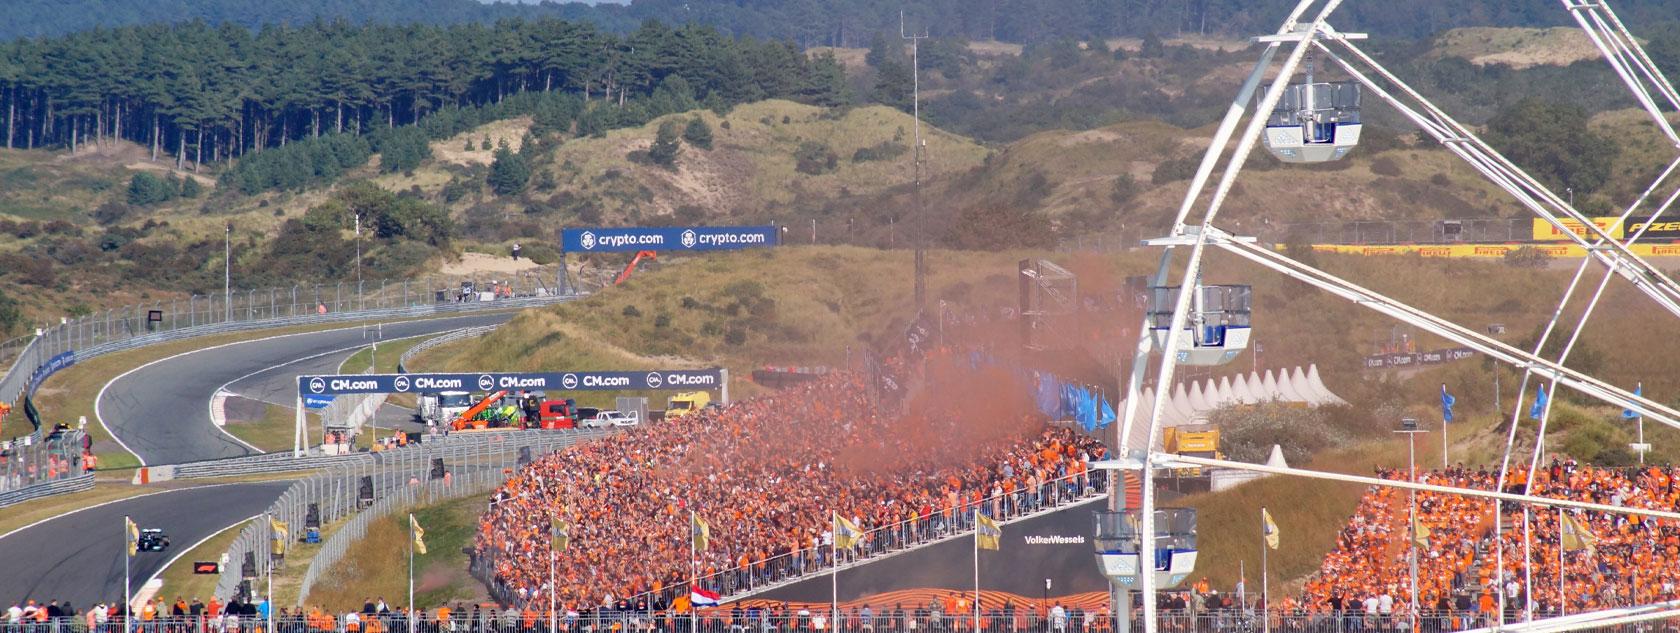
<point>75,483</point>
<point>360,481</point>
<point>444,339</point>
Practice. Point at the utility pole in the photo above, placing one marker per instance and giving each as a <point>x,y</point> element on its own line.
<point>920,236</point>
<point>227,274</point>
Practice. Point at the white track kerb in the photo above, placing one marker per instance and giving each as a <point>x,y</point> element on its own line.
<point>1650,89</point>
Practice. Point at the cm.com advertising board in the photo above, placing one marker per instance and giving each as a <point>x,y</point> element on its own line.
<point>669,238</point>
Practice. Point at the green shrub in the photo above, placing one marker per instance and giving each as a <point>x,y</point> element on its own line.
<point>698,134</point>
<point>815,158</point>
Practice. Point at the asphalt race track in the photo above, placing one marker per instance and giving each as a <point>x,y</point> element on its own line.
<point>78,556</point>
<point>161,411</point>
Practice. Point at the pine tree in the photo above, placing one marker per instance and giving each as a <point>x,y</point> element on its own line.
<point>666,146</point>
<point>509,173</point>
<point>698,133</point>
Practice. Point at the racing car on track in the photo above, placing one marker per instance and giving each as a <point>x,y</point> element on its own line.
<point>153,540</point>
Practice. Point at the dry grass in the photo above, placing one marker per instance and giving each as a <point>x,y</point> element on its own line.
<point>1516,47</point>
<point>378,564</point>
<point>178,579</point>
<point>751,168</point>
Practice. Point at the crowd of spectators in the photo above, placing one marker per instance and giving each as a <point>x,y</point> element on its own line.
<point>768,474</point>
<point>1621,559</point>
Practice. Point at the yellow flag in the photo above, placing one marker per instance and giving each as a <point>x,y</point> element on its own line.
<point>558,535</point>
<point>132,535</point>
<point>987,533</point>
<point>1420,532</point>
<point>419,534</point>
<point>847,534</point>
<point>1575,536</point>
<point>1271,529</point>
<point>699,531</point>
<point>279,529</point>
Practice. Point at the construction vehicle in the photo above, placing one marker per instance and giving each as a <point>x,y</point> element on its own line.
<point>485,415</point>
<point>438,408</point>
<point>641,255</point>
<point>686,402</point>
<point>1197,439</point>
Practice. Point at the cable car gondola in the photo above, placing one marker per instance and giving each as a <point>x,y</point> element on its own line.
<point>1314,122</point>
<point>1175,546</point>
<point>1218,329</point>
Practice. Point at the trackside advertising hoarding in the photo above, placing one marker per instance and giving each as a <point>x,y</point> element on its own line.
<point>669,238</point>
<point>680,379</point>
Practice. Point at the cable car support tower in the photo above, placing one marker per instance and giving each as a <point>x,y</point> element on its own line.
<point>1311,121</point>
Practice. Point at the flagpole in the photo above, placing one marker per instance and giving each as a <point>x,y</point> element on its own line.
<point>553,617</point>
<point>834,571</point>
<point>411,571</point>
<point>269,520</point>
<point>693,577</point>
<point>1265,576</point>
<point>1562,599</point>
<point>1528,570</point>
<point>128,587</point>
<point>976,570</point>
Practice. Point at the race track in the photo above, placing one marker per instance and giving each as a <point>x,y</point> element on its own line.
<point>78,556</point>
<point>161,413</point>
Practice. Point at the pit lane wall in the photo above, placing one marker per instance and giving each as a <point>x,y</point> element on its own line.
<point>1056,545</point>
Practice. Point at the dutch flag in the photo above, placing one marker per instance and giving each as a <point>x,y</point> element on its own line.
<point>702,598</point>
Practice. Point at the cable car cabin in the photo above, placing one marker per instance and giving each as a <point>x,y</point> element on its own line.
<point>1314,122</point>
<point>1175,546</point>
<point>1218,328</point>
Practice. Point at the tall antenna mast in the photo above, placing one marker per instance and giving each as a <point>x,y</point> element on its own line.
<point>919,236</point>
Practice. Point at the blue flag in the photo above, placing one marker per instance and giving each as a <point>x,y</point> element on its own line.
<point>1629,414</point>
<point>1107,414</point>
<point>1447,401</point>
<point>1539,404</point>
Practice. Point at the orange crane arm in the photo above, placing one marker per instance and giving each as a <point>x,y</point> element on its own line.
<point>467,416</point>
<point>623,276</point>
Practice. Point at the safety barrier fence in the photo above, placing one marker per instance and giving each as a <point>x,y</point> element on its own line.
<point>737,582</point>
<point>443,339</point>
<point>31,459</point>
<point>437,468</point>
<point>1031,617</point>
<point>73,483</point>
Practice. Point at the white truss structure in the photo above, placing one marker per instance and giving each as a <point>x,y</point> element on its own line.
<point>1315,35</point>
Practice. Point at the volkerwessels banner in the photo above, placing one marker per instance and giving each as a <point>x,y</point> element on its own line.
<point>566,381</point>
<point>671,238</point>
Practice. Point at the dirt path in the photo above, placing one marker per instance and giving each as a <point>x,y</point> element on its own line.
<point>477,263</point>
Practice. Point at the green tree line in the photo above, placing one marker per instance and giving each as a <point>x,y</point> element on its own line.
<point>825,22</point>
<point>212,93</point>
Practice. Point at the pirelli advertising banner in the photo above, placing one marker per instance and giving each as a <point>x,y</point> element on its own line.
<point>1487,250</point>
<point>1664,228</point>
<point>680,379</point>
<point>666,238</point>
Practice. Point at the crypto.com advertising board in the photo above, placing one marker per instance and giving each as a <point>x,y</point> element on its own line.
<point>670,238</point>
<point>562,381</point>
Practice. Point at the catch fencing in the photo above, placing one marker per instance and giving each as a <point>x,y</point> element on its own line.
<point>384,482</point>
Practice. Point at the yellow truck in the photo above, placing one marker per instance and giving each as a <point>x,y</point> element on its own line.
<point>1194,440</point>
<point>686,402</point>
